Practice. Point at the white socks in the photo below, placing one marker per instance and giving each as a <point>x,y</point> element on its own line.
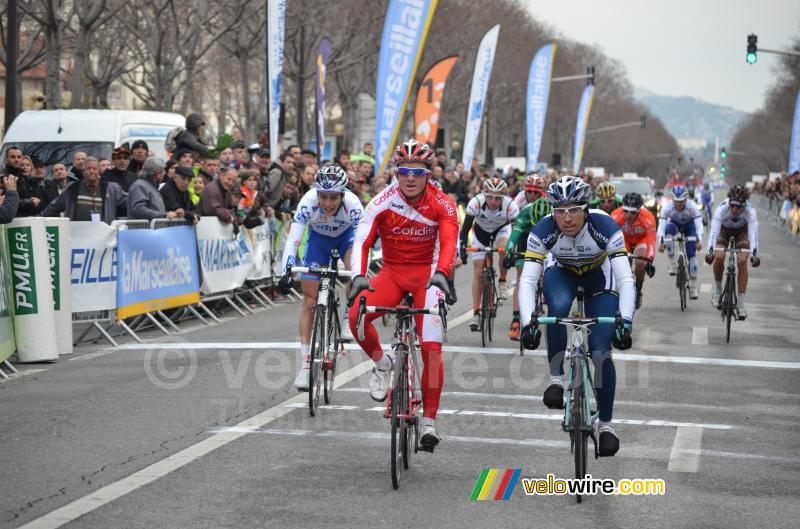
<point>605,426</point>
<point>305,350</point>
<point>427,421</point>
<point>384,364</point>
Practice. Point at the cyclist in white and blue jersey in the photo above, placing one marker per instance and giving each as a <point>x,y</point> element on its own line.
<point>331,213</point>
<point>587,249</point>
<point>681,215</point>
<point>707,197</point>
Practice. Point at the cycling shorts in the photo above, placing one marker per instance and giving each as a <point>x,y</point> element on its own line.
<point>319,248</point>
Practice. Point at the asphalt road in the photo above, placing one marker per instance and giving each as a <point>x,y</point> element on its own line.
<point>171,434</point>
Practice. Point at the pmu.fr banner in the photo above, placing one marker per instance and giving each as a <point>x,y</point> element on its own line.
<point>157,270</point>
<point>477,93</point>
<point>539,76</point>
<point>581,125</point>
<point>225,260</point>
<point>794,147</point>
<point>429,100</point>
<point>320,66</point>
<point>276,20</point>
<point>7,343</point>
<point>404,32</point>
<point>93,266</point>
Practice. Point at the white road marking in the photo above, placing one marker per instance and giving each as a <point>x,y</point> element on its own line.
<point>685,456</point>
<point>538,400</point>
<point>109,493</point>
<point>20,374</point>
<point>699,335</point>
<point>705,288</point>
<point>626,451</point>
<point>501,351</point>
<point>535,416</point>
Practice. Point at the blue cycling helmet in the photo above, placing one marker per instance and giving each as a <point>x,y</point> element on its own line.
<point>679,194</point>
<point>568,190</point>
<point>331,179</point>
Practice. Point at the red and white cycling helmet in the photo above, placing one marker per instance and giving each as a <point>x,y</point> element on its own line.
<point>534,181</point>
<point>413,151</point>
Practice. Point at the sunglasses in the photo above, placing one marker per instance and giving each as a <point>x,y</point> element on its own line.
<point>629,211</point>
<point>736,205</point>
<point>607,200</point>
<point>412,171</point>
<point>568,212</point>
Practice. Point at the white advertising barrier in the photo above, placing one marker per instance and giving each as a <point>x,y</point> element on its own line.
<point>93,266</point>
<point>224,259</point>
<point>57,230</point>
<point>31,291</point>
<point>259,243</point>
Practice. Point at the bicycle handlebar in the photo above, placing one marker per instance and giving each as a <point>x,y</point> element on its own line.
<point>320,270</point>
<point>680,237</point>
<point>473,249</point>
<point>401,310</point>
<point>551,320</point>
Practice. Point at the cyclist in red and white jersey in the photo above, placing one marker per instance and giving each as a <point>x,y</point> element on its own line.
<point>534,189</point>
<point>418,227</point>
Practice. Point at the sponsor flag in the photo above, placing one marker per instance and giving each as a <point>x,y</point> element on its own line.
<point>321,63</point>
<point>794,147</point>
<point>477,94</point>
<point>539,76</point>
<point>404,34</point>
<point>429,100</point>
<point>581,125</point>
<point>495,484</point>
<point>276,20</point>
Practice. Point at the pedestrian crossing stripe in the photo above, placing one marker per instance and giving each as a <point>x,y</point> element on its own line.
<point>495,484</point>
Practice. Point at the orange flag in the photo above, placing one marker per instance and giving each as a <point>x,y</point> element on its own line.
<point>429,100</point>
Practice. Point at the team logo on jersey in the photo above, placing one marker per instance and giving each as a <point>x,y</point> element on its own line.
<point>355,216</point>
<point>396,205</point>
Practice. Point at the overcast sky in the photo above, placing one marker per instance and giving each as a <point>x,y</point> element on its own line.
<point>682,47</point>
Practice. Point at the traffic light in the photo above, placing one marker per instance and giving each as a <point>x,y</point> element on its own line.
<point>722,171</point>
<point>752,49</point>
<point>723,153</point>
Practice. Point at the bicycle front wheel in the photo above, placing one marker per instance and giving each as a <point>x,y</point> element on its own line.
<point>486,308</point>
<point>681,281</point>
<point>318,348</point>
<point>579,443</point>
<point>399,428</point>
<point>728,304</point>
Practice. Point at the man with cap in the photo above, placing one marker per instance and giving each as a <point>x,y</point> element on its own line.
<point>139,152</point>
<point>184,157</point>
<point>144,200</point>
<point>240,157</point>
<point>175,193</point>
<point>119,173</point>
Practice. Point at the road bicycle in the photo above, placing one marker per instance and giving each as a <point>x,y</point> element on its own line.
<point>682,271</point>
<point>404,400</point>
<point>728,300</point>
<point>490,299</point>
<point>326,332</point>
<point>580,400</point>
<point>649,269</point>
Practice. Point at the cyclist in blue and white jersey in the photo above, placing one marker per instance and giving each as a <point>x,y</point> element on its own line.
<point>706,195</point>
<point>331,213</point>
<point>681,215</point>
<point>587,249</point>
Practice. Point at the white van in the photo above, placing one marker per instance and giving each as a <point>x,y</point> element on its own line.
<point>54,135</point>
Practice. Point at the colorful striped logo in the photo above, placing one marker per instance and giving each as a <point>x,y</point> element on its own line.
<point>495,484</point>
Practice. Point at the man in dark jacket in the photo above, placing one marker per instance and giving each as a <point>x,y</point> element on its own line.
<point>119,173</point>
<point>28,203</point>
<point>91,199</point>
<point>175,193</point>
<point>139,153</point>
<point>9,200</point>
<point>48,190</point>
<point>191,138</point>
<point>272,187</point>
<point>217,199</point>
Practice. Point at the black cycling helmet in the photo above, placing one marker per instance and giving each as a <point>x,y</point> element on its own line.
<point>632,202</point>
<point>738,195</point>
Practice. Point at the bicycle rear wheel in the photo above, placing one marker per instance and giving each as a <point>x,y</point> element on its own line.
<point>681,282</point>
<point>318,348</point>
<point>398,407</point>
<point>332,352</point>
